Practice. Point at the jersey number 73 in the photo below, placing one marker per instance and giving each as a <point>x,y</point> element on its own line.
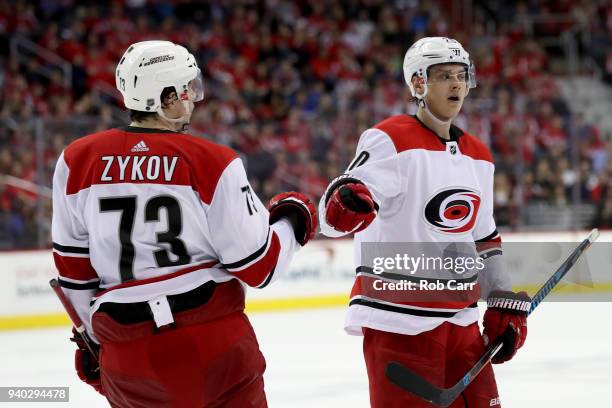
<point>127,207</point>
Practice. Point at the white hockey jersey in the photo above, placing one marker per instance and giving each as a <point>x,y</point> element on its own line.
<point>428,190</point>
<point>139,213</point>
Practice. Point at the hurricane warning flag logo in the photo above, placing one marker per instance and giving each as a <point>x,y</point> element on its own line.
<point>453,210</point>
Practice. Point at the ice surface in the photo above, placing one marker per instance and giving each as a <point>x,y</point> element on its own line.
<point>566,362</point>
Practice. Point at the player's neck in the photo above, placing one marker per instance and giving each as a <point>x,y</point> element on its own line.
<point>442,129</point>
<point>154,124</point>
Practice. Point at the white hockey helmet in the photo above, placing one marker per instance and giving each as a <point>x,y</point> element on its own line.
<point>148,67</point>
<point>430,51</point>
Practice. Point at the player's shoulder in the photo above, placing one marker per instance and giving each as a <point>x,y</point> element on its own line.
<point>87,145</point>
<point>208,161</point>
<point>197,148</point>
<point>471,146</point>
<point>396,122</point>
<point>406,132</point>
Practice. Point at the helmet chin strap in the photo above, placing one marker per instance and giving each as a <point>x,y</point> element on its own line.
<point>433,116</point>
<point>183,121</point>
<point>429,113</point>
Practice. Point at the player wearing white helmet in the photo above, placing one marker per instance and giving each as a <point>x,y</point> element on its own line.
<point>421,181</point>
<point>430,65</point>
<point>156,233</point>
<point>160,81</point>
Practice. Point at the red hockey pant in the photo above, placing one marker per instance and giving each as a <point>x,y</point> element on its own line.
<point>441,356</point>
<point>200,363</point>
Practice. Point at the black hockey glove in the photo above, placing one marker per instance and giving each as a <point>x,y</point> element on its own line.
<point>300,212</point>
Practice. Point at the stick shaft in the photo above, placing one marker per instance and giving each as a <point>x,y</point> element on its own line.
<point>562,270</point>
<point>73,315</point>
<point>546,288</point>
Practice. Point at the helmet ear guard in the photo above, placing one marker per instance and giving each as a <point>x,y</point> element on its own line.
<point>421,82</point>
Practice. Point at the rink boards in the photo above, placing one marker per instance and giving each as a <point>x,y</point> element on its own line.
<point>321,275</point>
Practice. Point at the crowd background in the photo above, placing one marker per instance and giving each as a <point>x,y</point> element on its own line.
<point>292,84</point>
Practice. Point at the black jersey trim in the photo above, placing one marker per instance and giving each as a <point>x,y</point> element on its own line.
<point>70,249</point>
<point>488,237</point>
<point>454,132</point>
<point>79,286</point>
<point>268,279</point>
<point>405,310</point>
<point>396,276</point>
<point>250,258</point>
<point>135,129</point>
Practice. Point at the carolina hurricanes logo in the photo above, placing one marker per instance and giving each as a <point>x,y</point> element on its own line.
<point>453,210</point>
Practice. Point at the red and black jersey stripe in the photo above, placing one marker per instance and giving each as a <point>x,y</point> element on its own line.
<point>489,246</point>
<point>258,268</point>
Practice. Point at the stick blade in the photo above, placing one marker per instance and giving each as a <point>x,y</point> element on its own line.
<point>404,378</point>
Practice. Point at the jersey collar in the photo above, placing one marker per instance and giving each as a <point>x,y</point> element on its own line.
<point>134,129</point>
<point>454,132</point>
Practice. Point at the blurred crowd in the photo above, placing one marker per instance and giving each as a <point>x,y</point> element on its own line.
<point>292,84</point>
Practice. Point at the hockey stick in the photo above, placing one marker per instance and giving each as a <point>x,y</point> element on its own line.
<point>74,317</point>
<point>443,397</point>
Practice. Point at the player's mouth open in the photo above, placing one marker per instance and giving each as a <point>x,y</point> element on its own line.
<point>453,98</point>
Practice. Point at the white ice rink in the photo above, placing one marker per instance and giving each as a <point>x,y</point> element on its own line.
<point>566,362</point>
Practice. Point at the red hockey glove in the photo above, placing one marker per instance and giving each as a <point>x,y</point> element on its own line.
<point>506,318</point>
<point>87,367</point>
<point>300,212</point>
<point>350,208</point>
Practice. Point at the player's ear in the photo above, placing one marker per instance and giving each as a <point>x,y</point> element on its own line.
<point>169,99</point>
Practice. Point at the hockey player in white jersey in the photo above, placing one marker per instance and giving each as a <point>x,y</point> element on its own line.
<point>155,234</point>
<point>420,179</point>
